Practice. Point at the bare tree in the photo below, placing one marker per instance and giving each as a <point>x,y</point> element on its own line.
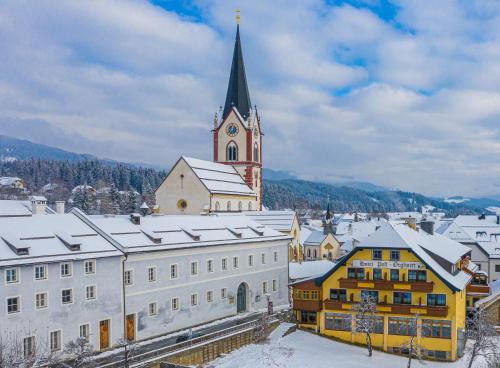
<point>412,345</point>
<point>484,343</point>
<point>365,319</point>
<point>79,351</point>
<point>23,353</point>
<point>261,330</point>
<point>130,349</point>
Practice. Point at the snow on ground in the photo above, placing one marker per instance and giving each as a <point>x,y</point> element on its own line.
<point>302,349</point>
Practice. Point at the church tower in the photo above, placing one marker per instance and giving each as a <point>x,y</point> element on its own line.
<point>237,130</point>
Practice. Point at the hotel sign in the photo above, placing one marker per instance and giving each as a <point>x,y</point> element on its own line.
<point>388,264</point>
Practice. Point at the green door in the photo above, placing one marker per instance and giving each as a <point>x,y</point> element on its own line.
<point>241,299</point>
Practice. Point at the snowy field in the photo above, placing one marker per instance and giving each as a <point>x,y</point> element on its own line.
<point>305,350</point>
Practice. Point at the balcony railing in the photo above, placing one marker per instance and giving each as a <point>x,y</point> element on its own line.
<point>483,289</point>
<point>410,309</point>
<point>307,305</point>
<point>421,286</point>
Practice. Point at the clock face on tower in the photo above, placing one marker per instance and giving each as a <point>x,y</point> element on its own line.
<point>232,130</point>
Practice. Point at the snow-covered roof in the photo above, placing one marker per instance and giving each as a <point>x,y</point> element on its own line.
<point>304,234</point>
<point>316,237</point>
<point>16,208</point>
<point>164,232</point>
<point>48,238</point>
<point>306,269</point>
<point>277,220</point>
<point>219,178</point>
<point>492,248</point>
<point>9,180</point>
<point>357,230</point>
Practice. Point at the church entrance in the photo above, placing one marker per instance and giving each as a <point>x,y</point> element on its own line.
<point>241,298</point>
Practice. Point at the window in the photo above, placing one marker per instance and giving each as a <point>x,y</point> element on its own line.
<point>249,206</point>
<point>394,275</point>
<point>11,275</point>
<point>151,274</point>
<point>13,305</point>
<point>401,326</point>
<point>41,300</point>
<point>128,277</point>
<point>217,206</point>
<point>85,331</point>
<point>414,276</point>
<point>378,327</point>
<point>305,294</point>
<point>377,254</point>
<point>223,293</point>
<point>240,206</point>
<point>89,267</point>
<point>497,268</point>
<point>210,296</point>
<point>338,294</point>
<point>377,274</point>
<point>314,295</point>
<point>224,264</point>
<point>194,299</point>
<point>337,321</point>
<point>55,340</point>
<point>65,269</point>
<point>173,271</point>
<point>263,258</point>
<point>153,309</point>
<point>194,268</point>
<point>308,317</point>
<point>90,292</point>
<point>40,272</point>
<point>210,265</point>
<point>174,304</point>
<point>29,346</point>
<point>236,262</point>
<point>356,273</point>
<point>275,257</point>
<point>264,287</point>
<point>275,285</point>
<point>255,152</point>
<point>436,328</point>
<point>394,255</point>
<point>250,260</point>
<point>67,296</point>
<point>373,294</point>
<point>232,152</point>
<point>400,297</point>
<point>228,206</point>
<point>436,299</point>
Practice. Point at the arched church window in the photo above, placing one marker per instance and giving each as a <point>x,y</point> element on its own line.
<point>255,152</point>
<point>228,206</point>
<point>217,206</point>
<point>232,152</point>
<point>308,253</point>
<point>315,254</point>
<point>249,206</point>
<point>240,206</point>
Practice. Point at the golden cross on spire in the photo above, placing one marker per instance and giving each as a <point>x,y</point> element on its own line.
<point>238,16</point>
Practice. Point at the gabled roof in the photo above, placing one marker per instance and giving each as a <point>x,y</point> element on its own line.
<point>219,178</point>
<point>16,208</point>
<point>277,220</point>
<point>316,237</point>
<point>237,90</point>
<point>304,270</point>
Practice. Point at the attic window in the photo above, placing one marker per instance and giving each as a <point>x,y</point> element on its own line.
<point>235,232</point>
<point>155,238</point>
<point>257,231</point>
<point>192,234</point>
<point>16,245</point>
<point>68,241</point>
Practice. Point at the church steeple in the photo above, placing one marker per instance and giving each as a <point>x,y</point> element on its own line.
<point>237,89</point>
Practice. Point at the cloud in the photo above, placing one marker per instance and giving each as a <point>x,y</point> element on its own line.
<point>410,101</point>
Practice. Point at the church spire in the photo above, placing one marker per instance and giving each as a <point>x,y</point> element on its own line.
<point>237,89</point>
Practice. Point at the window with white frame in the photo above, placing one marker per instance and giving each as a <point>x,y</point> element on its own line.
<point>128,277</point>
<point>40,272</point>
<point>275,256</point>
<point>210,296</point>
<point>55,340</point>
<point>90,292</point>
<point>236,262</point>
<point>66,269</point>
<point>275,285</point>
<point>194,299</point>
<point>85,332</point>
<point>194,268</point>
<point>224,264</point>
<point>89,267</point>
<point>151,274</point>
<point>29,346</point>
<point>264,287</point>
<point>249,206</point>
<point>250,260</point>
<point>11,275</point>
<point>174,303</point>
<point>66,296</point>
<point>41,300</point>
<point>13,305</point>
<point>173,271</point>
<point>153,309</point>
<point>210,265</point>
<point>223,293</point>
<point>263,258</point>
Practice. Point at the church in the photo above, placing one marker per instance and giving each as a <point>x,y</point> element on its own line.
<point>233,181</point>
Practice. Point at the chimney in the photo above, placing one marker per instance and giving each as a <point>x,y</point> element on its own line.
<point>60,207</point>
<point>498,218</point>
<point>135,218</point>
<point>38,204</point>
<point>427,226</point>
<point>412,222</point>
<point>482,217</point>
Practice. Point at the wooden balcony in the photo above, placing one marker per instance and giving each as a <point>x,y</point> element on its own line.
<point>307,305</point>
<point>424,310</point>
<point>419,286</point>
<point>480,289</point>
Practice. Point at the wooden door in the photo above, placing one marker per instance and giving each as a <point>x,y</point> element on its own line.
<point>104,334</point>
<point>131,327</point>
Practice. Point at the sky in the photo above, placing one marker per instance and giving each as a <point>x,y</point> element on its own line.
<point>404,94</point>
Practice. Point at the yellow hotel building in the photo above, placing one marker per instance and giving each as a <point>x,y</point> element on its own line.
<point>409,272</point>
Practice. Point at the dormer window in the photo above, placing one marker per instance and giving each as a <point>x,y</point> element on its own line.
<point>232,152</point>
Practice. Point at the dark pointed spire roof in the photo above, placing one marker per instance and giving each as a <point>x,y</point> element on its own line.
<point>328,215</point>
<point>237,89</point>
